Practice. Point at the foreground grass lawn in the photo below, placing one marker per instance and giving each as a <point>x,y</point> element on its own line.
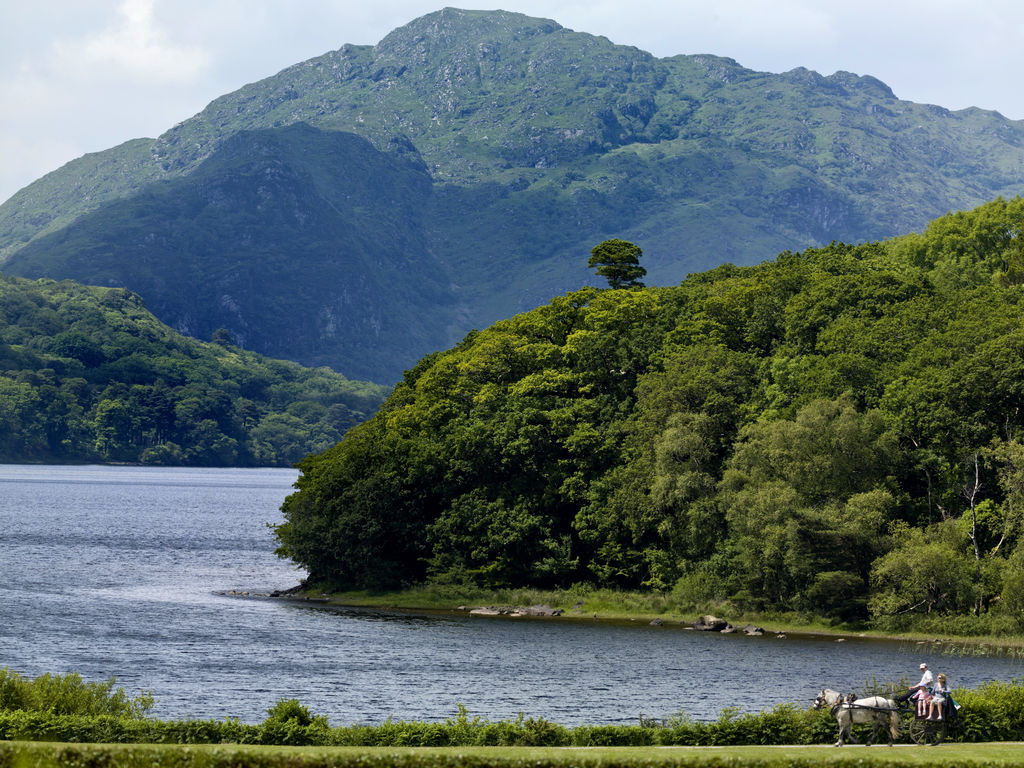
<point>44,755</point>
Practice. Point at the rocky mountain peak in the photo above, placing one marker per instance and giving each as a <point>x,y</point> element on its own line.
<point>452,30</point>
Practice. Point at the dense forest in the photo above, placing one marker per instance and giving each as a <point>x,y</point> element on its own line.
<point>88,374</point>
<point>836,432</point>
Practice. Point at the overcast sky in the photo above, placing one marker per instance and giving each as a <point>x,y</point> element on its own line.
<point>80,76</point>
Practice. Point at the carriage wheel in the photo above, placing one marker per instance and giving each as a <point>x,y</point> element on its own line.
<point>927,731</point>
<point>908,724</point>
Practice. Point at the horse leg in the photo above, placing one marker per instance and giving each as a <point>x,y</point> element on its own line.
<point>879,722</point>
<point>849,732</point>
<point>846,730</point>
<point>843,727</point>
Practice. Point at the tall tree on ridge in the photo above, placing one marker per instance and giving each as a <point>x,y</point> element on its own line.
<point>618,261</point>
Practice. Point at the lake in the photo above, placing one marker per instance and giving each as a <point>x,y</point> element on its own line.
<point>115,571</point>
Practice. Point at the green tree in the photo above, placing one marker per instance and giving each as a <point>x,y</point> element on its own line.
<point>806,497</point>
<point>618,261</point>
<point>112,425</point>
<point>829,451</point>
<point>1012,596</point>
<point>1009,456</point>
<point>20,431</point>
<point>929,570</point>
<point>223,337</point>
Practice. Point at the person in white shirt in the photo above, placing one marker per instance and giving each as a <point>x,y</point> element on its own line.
<point>926,682</point>
<point>926,677</point>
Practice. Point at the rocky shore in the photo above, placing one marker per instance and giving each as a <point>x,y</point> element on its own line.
<point>513,610</point>
<point>705,623</point>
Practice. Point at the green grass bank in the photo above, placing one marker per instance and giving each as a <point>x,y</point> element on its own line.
<point>957,637</point>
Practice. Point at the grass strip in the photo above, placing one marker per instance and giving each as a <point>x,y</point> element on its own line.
<point>609,605</point>
<point>63,755</point>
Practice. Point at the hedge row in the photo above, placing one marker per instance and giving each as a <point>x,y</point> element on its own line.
<point>782,725</point>
<point>994,712</point>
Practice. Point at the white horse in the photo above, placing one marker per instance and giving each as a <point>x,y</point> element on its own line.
<point>877,710</point>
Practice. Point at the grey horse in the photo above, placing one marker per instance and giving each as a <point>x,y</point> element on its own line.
<point>877,710</point>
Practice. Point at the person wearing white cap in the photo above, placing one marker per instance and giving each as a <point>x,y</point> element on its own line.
<point>926,682</point>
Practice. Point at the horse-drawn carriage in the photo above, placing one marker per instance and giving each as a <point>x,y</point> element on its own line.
<point>923,729</point>
<point>883,713</point>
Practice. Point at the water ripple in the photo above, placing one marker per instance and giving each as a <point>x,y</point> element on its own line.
<point>116,570</point>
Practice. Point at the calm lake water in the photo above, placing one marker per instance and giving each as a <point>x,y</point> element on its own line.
<point>113,571</point>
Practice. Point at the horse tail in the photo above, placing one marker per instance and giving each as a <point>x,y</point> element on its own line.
<point>894,725</point>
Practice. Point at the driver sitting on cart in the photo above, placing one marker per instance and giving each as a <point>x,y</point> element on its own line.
<point>926,682</point>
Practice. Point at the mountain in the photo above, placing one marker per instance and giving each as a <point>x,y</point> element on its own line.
<point>373,204</point>
<point>88,374</point>
<point>305,244</point>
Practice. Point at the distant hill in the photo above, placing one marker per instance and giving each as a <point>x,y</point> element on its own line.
<point>306,244</point>
<point>88,374</point>
<point>496,150</point>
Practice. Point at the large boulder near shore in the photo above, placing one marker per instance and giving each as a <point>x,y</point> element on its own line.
<point>489,610</point>
<point>708,623</point>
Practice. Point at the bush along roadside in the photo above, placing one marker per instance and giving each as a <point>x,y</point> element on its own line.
<point>993,712</point>
<point>782,725</point>
<point>991,718</point>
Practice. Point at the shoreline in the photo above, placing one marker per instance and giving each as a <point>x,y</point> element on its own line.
<point>414,602</point>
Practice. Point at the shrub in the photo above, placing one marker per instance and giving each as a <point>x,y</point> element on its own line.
<point>289,710</point>
<point>993,712</point>
<point>614,736</point>
<point>292,724</point>
<point>69,695</point>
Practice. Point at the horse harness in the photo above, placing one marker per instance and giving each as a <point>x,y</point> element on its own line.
<point>851,705</point>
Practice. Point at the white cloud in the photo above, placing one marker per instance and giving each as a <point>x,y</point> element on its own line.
<point>135,47</point>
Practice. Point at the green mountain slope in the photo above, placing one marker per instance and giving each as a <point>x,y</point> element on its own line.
<point>837,431</point>
<point>536,142</point>
<point>305,244</point>
<point>88,374</point>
